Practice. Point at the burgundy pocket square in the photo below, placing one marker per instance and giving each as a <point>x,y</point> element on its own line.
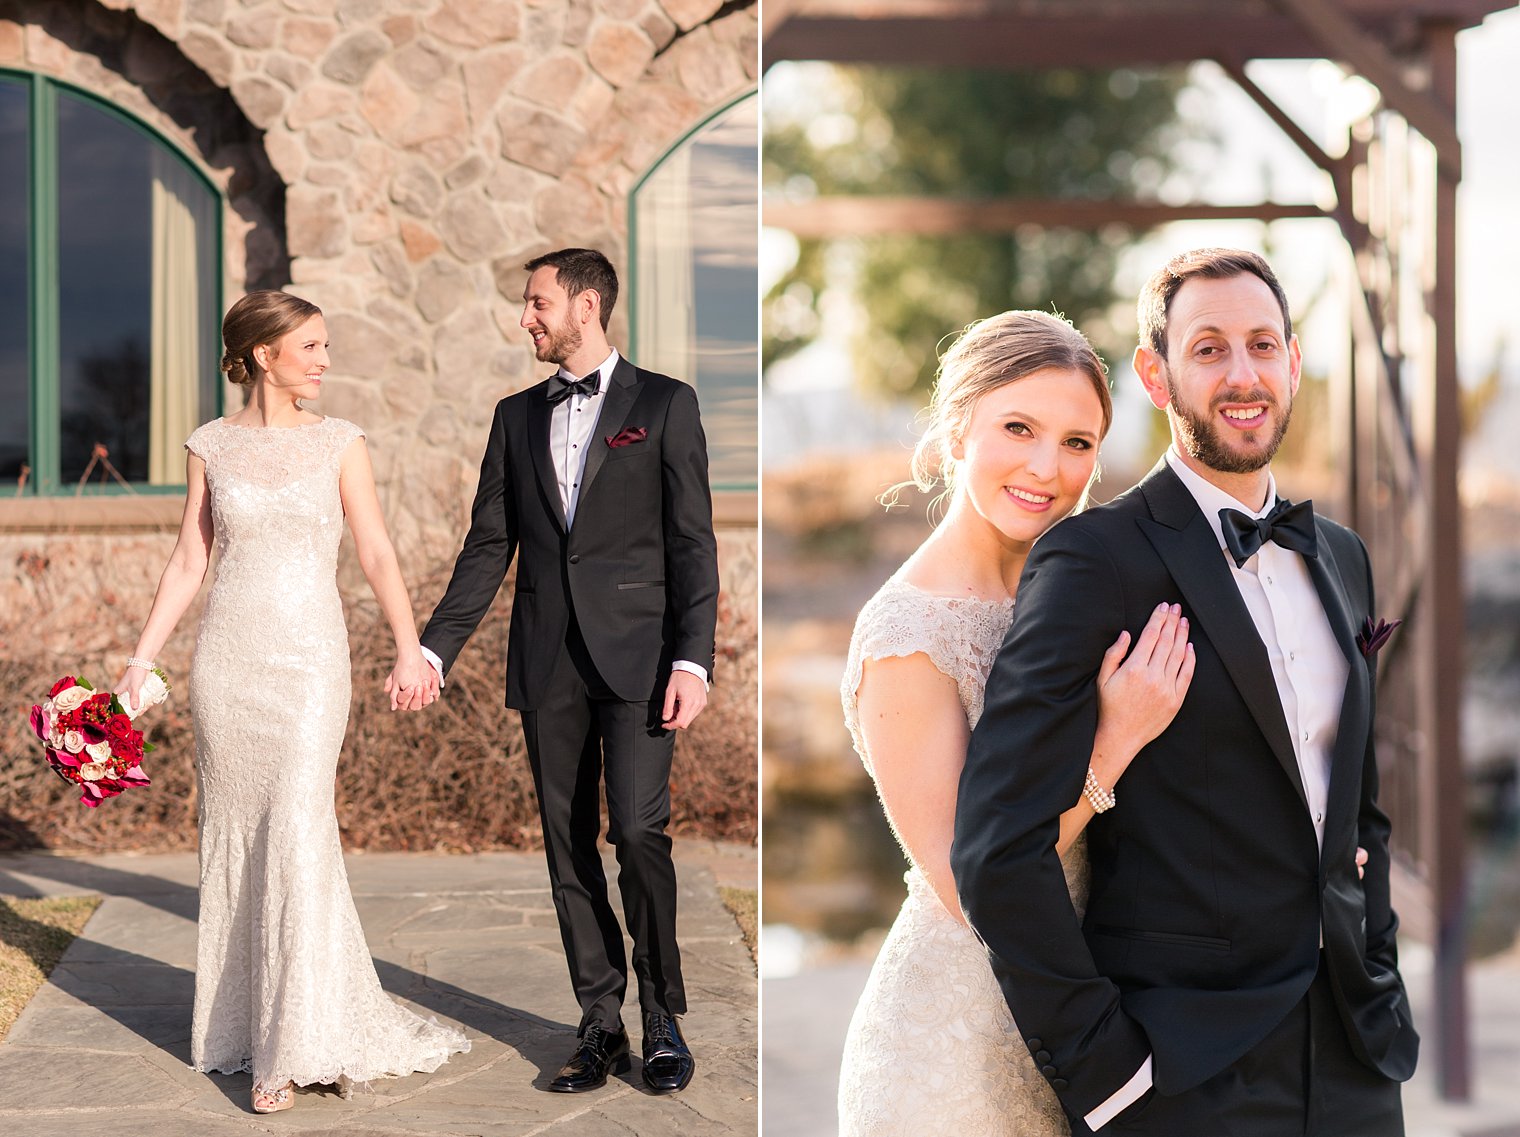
<point>626,437</point>
<point>1373,636</point>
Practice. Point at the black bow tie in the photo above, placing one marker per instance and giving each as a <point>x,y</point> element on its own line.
<point>561,388</point>
<point>1291,526</point>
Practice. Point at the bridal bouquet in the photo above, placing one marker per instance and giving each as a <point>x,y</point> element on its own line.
<point>89,738</point>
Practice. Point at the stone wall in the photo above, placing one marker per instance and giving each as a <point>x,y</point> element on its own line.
<point>396,161</point>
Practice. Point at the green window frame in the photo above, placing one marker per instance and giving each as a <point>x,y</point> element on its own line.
<point>44,283</point>
<point>730,414</point>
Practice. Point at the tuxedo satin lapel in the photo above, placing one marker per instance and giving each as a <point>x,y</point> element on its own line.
<point>1187,546</point>
<point>539,411</point>
<point>1356,717</point>
<point>616,404</point>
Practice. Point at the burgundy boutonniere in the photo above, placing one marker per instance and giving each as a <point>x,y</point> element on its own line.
<point>626,437</point>
<point>1373,636</point>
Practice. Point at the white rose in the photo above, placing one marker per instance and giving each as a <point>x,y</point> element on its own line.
<point>92,771</point>
<point>72,699</point>
<point>99,751</point>
<point>73,741</point>
<point>48,709</point>
<point>154,691</point>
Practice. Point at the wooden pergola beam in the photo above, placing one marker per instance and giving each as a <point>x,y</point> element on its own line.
<point>1041,34</point>
<point>874,216</point>
<point>1340,37</point>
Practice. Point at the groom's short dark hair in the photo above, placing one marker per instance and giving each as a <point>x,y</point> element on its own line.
<point>580,269</point>
<point>1210,264</point>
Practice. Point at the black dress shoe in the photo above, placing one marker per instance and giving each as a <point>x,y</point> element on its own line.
<point>598,1051</point>
<point>668,1064</point>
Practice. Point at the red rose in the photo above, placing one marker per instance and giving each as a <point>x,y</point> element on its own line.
<point>128,749</point>
<point>62,685</point>
<point>119,726</point>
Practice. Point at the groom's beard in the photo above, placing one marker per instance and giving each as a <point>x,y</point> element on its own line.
<point>1203,439</point>
<point>559,345</point>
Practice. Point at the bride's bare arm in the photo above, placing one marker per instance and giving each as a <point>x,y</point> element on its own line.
<point>915,732</point>
<point>377,557</point>
<point>1138,697</point>
<point>181,579</point>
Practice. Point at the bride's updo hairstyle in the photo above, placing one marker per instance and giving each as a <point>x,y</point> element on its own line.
<point>989,353</point>
<point>259,317</point>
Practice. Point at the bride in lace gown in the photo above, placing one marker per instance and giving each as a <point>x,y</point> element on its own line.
<point>284,984</point>
<point>1019,409</point>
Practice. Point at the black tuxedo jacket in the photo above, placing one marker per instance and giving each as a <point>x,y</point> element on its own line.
<point>639,566</point>
<point>1208,891</point>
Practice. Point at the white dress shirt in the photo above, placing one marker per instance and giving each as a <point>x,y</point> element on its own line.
<point>1308,667</point>
<point>572,428</point>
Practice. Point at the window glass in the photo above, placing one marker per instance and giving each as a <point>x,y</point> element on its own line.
<point>695,247</point>
<point>105,229</point>
<point>15,385</point>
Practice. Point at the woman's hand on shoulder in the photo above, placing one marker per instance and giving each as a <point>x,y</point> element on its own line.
<point>1141,690</point>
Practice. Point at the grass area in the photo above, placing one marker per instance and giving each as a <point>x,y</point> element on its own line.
<point>744,903</point>
<point>33,937</point>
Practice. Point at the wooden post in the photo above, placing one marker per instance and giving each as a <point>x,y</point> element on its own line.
<point>1438,427</point>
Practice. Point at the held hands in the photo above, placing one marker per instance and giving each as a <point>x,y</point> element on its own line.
<point>1138,697</point>
<point>685,696</point>
<point>412,684</point>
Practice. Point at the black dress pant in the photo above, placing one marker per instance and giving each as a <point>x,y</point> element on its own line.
<point>575,735</point>
<point>1302,1080</point>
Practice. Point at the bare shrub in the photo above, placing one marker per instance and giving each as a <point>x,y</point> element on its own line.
<point>453,777</point>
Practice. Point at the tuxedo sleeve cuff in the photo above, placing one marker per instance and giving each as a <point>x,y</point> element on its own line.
<point>686,665</point>
<point>435,663</point>
<point>1131,1092</point>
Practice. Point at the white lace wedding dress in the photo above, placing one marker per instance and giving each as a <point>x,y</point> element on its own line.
<point>932,1047</point>
<point>284,983</point>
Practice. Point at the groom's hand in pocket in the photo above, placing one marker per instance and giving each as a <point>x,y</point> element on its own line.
<point>685,696</point>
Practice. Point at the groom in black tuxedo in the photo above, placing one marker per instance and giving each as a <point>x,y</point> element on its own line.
<point>596,479</point>
<point>1232,974</point>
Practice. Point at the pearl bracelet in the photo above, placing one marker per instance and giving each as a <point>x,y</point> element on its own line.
<point>1101,800</point>
<point>145,664</point>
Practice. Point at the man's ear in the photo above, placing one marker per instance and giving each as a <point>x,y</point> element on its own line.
<point>1295,365</point>
<point>588,305</point>
<point>1151,369</point>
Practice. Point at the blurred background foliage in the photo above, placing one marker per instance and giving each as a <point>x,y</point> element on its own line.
<point>1055,134</point>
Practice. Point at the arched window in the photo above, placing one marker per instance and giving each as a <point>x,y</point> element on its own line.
<point>109,294</point>
<point>693,251</point>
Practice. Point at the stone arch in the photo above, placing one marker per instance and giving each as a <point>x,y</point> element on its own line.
<point>121,58</point>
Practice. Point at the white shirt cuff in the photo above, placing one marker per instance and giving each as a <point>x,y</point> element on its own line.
<point>694,668</point>
<point>1131,1092</point>
<point>434,662</point>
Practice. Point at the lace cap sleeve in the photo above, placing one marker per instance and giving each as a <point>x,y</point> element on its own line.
<point>342,432</point>
<point>202,441</point>
<point>901,621</point>
<point>898,621</point>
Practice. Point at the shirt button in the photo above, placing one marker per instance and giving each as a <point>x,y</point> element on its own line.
<point>1319,819</point>
<point>1306,736</point>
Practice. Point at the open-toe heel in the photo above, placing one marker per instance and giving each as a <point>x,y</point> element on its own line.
<point>273,1100</point>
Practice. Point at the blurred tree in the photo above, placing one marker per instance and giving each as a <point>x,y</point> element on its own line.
<point>1053,134</point>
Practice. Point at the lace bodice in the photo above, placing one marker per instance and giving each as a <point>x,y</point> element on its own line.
<point>960,635</point>
<point>275,502</point>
